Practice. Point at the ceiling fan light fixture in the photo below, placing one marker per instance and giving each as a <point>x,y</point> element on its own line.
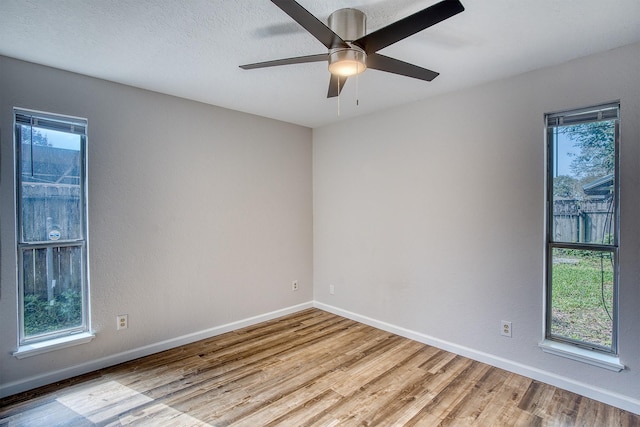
<point>350,47</point>
<point>347,62</point>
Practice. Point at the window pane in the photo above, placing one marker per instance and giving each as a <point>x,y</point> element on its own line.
<point>52,289</point>
<point>582,296</point>
<point>50,171</point>
<point>583,174</point>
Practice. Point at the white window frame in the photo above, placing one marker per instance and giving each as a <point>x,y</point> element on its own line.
<point>576,349</point>
<point>44,342</point>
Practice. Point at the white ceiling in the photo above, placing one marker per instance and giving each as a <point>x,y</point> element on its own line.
<point>192,48</point>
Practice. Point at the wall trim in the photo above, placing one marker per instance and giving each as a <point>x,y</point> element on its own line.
<point>602,395</point>
<point>104,362</point>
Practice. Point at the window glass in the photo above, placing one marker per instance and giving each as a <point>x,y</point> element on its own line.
<point>51,191</point>
<point>584,183</point>
<point>582,296</point>
<point>52,289</point>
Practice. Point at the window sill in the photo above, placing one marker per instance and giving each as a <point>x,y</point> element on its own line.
<point>54,344</point>
<point>601,360</point>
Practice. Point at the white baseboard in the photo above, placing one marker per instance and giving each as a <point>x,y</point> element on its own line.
<point>606,396</point>
<point>93,365</point>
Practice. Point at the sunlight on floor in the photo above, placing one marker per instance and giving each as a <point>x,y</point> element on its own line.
<point>102,404</point>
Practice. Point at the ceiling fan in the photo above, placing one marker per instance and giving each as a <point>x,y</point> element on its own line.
<point>351,50</point>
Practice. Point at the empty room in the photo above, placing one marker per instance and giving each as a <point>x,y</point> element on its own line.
<point>319,213</point>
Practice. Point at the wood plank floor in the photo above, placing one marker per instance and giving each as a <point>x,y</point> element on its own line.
<point>311,368</point>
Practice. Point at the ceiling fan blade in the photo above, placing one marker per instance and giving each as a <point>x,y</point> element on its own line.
<point>310,23</point>
<point>287,61</point>
<point>408,26</point>
<point>335,86</point>
<point>395,66</point>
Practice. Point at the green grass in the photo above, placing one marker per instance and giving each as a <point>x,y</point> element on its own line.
<point>578,311</point>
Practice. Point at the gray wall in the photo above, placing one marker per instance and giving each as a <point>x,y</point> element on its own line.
<point>430,218</point>
<point>199,217</point>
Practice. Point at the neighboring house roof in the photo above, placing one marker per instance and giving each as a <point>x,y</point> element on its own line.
<point>51,165</point>
<point>599,187</point>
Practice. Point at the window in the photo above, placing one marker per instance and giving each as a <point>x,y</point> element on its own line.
<point>51,212</point>
<point>582,227</point>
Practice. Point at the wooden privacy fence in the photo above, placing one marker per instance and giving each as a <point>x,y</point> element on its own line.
<point>51,212</point>
<point>583,221</point>
<point>50,206</point>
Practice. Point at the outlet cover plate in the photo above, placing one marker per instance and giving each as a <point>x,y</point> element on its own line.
<point>505,328</point>
<point>122,321</point>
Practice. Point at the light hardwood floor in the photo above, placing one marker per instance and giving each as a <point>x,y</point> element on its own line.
<point>311,368</point>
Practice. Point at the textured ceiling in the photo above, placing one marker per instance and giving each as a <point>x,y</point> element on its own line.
<point>192,48</point>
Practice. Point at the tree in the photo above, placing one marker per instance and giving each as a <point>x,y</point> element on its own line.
<point>596,143</point>
<point>566,187</point>
<point>34,137</point>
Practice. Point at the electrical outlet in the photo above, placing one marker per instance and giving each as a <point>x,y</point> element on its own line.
<point>332,290</point>
<point>294,285</point>
<point>122,321</point>
<point>505,328</point>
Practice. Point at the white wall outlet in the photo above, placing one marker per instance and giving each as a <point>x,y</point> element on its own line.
<point>505,328</point>
<point>294,285</point>
<point>122,321</point>
<point>332,290</point>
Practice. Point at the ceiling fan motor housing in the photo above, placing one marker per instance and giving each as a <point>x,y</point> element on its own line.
<point>350,24</point>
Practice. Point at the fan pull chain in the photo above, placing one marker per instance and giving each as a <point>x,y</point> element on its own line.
<point>338,96</point>
<point>357,89</point>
